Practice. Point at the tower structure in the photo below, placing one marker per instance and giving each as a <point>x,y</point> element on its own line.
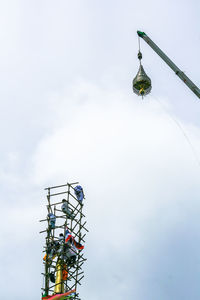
<point>64,242</point>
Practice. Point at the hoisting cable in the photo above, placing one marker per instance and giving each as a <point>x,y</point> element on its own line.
<point>181,129</point>
<point>139,52</point>
<point>141,91</point>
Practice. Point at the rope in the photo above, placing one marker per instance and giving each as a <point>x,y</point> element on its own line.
<point>139,42</point>
<point>182,130</point>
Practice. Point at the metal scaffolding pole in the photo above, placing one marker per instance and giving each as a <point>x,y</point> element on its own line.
<point>62,274</point>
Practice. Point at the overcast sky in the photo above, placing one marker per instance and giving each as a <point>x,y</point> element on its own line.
<point>68,114</point>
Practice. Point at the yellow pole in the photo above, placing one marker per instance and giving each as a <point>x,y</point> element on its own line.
<point>59,287</point>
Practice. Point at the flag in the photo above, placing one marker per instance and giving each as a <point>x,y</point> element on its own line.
<point>68,236</point>
<point>78,245</point>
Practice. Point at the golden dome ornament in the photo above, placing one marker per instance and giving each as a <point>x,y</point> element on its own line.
<point>141,82</point>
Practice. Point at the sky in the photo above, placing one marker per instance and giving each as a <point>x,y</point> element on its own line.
<point>68,114</point>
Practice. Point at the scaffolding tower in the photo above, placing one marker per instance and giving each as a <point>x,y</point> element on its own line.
<point>65,239</point>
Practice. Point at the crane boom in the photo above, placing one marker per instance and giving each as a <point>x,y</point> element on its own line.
<point>168,61</point>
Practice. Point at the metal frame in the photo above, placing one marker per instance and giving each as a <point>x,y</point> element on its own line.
<point>77,228</point>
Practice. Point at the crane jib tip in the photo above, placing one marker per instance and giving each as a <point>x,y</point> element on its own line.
<point>140,33</point>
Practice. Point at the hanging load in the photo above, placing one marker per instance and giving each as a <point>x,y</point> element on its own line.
<point>141,83</point>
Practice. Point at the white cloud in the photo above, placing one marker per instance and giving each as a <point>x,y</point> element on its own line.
<point>68,113</point>
<point>140,177</point>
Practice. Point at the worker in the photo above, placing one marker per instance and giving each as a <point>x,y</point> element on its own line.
<point>52,220</point>
<point>78,190</point>
<point>52,250</point>
<point>52,277</point>
<point>61,250</point>
<point>66,209</point>
<point>70,254</point>
<point>61,238</point>
<point>71,247</point>
<point>69,238</point>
